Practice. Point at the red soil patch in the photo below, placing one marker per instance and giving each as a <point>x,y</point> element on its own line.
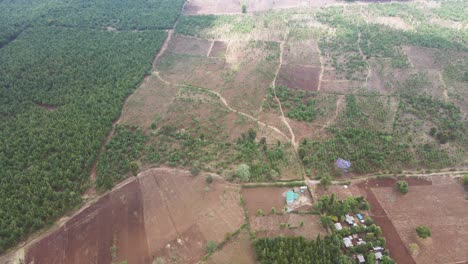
<point>219,49</point>
<point>299,77</point>
<point>264,198</point>
<point>394,242</point>
<point>163,213</point>
<point>116,220</point>
<point>180,215</point>
<point>440,206</point>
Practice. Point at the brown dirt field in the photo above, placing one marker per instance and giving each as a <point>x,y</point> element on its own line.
<point>269,225</point>
<point>340,86</point>
<point>299,77</point>
<point>141,218</point>
<point>422,58</point>
<point>301,52</point>
<point>116,219</point>
<point>209,74</point>
<point>149,103</point>
<point>238,250</point>
<point>181,44</point>
<point>184,216</point>
<point>177,68</point>
<point>440,206</point>
<point>198,7</point>
<point>395,244</point>
<point>219,49</point>
<point>264,198</point>
<point>339,191</point>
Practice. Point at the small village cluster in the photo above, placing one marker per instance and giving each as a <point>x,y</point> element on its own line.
<point>355,239</point>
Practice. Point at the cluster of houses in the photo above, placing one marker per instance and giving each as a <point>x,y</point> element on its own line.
<point>355,240</point>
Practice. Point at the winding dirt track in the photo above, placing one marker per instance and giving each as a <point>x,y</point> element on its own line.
<point>225,103</point>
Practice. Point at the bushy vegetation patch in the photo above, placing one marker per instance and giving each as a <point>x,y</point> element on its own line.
<point>120,155</point>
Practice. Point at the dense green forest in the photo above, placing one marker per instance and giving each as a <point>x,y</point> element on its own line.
<point>83,75</point>
<point>17,15</point>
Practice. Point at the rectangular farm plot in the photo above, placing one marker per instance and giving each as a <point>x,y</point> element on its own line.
<point>299,77</point>
<point>264,199</point>
<point>189,45</point>
<point>274,225</point>
<point>301,52</point>
<point>218,49</point>
<point>440,206</point>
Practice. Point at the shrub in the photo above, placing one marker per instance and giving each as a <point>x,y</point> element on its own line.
<point>243,172</point>
<point>465,180</point>
<point>209,179</point>
<point>423,231</point>
<point>260,212</point>
<point>134,167</point>
<point>194,171</point>
<point>210,247</point>
<point>413,247</point>
<point>325,181</point>
<point>402,186</point>
<point>244,8</point>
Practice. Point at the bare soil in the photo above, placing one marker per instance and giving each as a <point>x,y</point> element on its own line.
<point>219,49</point>
<point>149,103</point>
<point>270,225</point>
<point>440,206</point>
<point>299,77</point>
<point>395,245</point>
<point>181,216</point>
<point>115,220</point>
<point>198,7</point>
<point>163,213</point>
<point>301,53</point>
<point>264,198</point>
<point>237,250</point>
<point>181,44</point>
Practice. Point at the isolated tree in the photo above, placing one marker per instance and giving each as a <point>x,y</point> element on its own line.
<point>325,181</point>
<point>465,180</point>
<point>423,231</point>
<point>195,171</point>
<point>402,186</point>
<point>134,167</point>
<point>244,8</point>
<point>243,172</point>
<point>209,179</point>
<point>210,247</point>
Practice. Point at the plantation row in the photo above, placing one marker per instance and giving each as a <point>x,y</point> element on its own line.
<point>60,89</point>
<point>17,15</point>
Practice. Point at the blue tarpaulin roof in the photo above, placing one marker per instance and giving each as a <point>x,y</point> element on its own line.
<point>291,196</point>
<point>343,164</point>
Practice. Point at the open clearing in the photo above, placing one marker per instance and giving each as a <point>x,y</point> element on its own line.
<point>163,213</point>
<point>204,7</point>
<point>303,78</point>
<point>437,202</point>
<point>442,207</point>
<point>237,251</point>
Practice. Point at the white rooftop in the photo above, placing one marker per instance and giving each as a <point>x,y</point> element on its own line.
<point>338,226</point>
<point>361,259</point>
<point>348,243</point>
<point>378,255</point>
